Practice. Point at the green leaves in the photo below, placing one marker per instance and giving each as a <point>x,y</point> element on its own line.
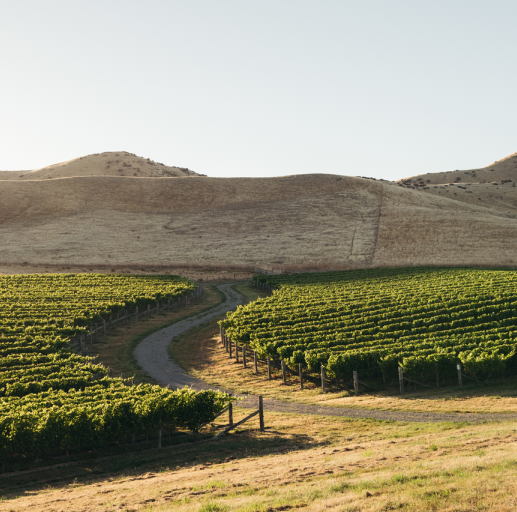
<point>373,320</point>
<point>99,415</point>
<point>479,363</point>
<point>54,399</point>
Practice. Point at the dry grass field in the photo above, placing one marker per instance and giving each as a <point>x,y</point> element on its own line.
<point>80,212</point>
<point>300,462</point>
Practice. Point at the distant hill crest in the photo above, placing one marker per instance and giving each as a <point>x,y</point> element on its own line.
<point>111,163</point>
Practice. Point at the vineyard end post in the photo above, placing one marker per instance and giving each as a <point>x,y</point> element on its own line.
<point>323,390</point>
<point>401,380</point>
<point>269,367</point>
<point>244,356</point>
<point>261,413</point>
<point>230,414</point>
<point>284,377</point>
<point>460,383</point>
<point>236,352</point>
<point>255,362</point>
<point>356,384</point>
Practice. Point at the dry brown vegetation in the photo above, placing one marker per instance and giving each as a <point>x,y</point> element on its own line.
<point>112,163</point>
<point>300,462</point>
<point>307,221</point>
<point>194,272</point>
<point>296,222</point>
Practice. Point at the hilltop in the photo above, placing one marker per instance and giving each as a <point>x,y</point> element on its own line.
<point>492,186</point>
<point>113,163</point>
<point>501,170</point>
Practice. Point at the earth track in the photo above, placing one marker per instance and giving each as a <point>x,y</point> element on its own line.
<point>152,356</point>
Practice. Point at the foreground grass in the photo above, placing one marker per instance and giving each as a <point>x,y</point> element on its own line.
<point>310,462</point>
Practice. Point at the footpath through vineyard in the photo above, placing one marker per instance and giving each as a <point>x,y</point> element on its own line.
<point>153,357</point>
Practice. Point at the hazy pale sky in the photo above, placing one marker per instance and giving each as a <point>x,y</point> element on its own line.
<point>383,88</point>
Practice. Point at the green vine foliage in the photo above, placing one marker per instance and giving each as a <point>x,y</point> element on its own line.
<point>426,320</point>
<point>53,399</point>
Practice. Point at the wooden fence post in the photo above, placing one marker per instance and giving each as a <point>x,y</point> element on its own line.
<point>401,380</point>
<point>300,369</point>
<point>255,362</point>
<point>284,377</point>
<point>261,413</point>
<point>356,384</point>
<point>460,383</point>
<point>236,352</point>
<point>230,346</point>
<point>244,356</point>
<point>323,379</point>
<point>268,367</point>
<point>230,414</point>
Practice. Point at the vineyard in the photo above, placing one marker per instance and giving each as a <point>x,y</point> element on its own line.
<point>54,399</point>
<point>427,320</point>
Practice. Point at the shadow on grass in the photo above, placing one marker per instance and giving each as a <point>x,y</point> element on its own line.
<point>186,451</point>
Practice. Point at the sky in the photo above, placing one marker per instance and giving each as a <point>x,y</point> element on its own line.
<point>235,88</point>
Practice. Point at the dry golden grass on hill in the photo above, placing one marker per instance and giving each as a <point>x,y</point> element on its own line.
<point>97,215</point>
<point>112,163</point>
<point>503,169</point>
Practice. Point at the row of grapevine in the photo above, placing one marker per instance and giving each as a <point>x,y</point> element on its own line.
<point>372,321</point>
<point>51,398</point>
<point>99,415</point>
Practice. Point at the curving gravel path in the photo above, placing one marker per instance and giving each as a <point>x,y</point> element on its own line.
<point>151,354</point>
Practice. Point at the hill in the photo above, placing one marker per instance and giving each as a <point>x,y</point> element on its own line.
<point>492,186</point>
<point>501,170</point>
<point>308,220</point>
<point>114,163</point>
